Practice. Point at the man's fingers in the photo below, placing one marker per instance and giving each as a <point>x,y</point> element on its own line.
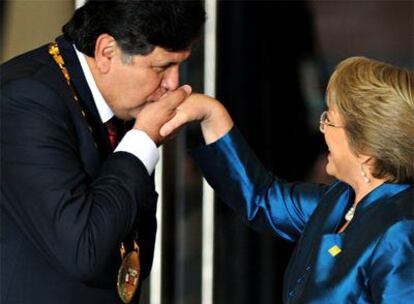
<point>170,126</point>
<point>188,89</point>
<point>166,129</point>
<point>174,98</point>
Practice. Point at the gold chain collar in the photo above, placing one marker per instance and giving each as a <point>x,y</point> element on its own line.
<point>54,51</point>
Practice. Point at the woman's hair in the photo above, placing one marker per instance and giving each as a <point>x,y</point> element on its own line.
<point>137,25</point>
<point>376,102</point>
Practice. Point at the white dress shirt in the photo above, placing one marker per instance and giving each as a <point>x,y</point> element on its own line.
<point>135,141</point>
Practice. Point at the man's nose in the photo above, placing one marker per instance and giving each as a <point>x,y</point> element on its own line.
<point>171,79</point>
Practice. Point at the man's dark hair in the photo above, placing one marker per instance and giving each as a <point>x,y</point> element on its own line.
<point>137,25</point>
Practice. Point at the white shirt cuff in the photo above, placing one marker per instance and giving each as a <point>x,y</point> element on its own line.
<point>138,143</point>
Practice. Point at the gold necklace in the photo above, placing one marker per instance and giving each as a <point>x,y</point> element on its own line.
<point>130,269</point>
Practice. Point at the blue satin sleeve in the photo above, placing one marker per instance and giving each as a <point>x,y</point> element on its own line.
<point>392,265</point>
<point>261,199</point>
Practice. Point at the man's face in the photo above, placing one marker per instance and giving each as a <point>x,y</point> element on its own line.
<point>128,87</point>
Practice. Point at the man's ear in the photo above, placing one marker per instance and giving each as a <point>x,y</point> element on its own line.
<point>104,52</point>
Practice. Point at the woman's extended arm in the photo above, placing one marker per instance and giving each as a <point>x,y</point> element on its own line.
<point>238,176</point>
<point>214,118</point>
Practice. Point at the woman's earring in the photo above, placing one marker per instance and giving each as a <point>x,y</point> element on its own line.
<point>364,174</point>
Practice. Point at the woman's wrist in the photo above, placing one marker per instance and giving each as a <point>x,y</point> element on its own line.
<point>216,122</point>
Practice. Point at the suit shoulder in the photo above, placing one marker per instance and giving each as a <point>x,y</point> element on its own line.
<point>26,65</point>
<point>33,78</point>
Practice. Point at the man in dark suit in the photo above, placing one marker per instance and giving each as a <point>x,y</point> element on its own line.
<point>69,204</point>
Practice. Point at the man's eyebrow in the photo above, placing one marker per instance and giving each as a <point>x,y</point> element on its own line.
<point>165,64</point>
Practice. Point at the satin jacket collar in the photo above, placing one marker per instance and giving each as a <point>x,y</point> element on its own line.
<point>377,195</point>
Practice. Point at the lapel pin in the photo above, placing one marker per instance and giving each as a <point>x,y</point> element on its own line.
<point>334,250</point>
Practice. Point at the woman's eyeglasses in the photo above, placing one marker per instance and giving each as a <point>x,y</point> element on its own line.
<point>324,121</point>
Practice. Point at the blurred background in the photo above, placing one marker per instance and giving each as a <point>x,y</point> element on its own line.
<point>273,62</point>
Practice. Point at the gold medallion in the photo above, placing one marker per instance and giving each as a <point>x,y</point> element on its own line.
<point>128,275</point>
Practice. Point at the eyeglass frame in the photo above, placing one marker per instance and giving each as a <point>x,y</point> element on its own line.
<point>324,121</point>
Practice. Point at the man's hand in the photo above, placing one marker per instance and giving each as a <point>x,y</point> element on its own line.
<point>157,113</point>
<point>214,118</point>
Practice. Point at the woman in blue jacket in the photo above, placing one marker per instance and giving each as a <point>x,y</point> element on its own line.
<point>355,237</point>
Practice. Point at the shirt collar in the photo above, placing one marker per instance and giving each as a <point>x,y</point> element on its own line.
<point>105,112</point>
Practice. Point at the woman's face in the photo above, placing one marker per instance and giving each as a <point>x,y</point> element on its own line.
<point>342,162</point>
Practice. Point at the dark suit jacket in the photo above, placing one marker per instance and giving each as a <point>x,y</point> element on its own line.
<point>66,201</point>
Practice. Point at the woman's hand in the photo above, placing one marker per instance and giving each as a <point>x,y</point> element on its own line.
<point>155,114</point>
<point>214,118</point>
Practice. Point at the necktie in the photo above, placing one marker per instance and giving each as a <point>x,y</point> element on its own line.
<point>130,269</point>
<point>113,128</point>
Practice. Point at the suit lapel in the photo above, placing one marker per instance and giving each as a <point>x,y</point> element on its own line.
<point>325,221</point>
<point>84,94</point>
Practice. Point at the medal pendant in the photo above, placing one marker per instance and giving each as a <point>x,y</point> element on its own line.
<point>128,276</point>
